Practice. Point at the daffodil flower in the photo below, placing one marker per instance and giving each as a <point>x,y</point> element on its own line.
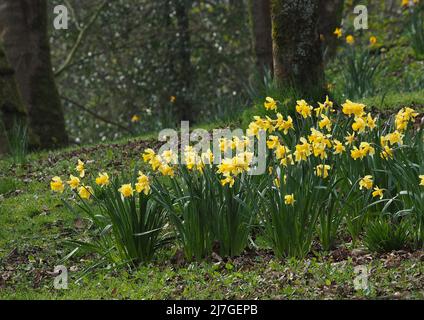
<point>57,185</point>
<point>289,199</point>
<point>378,192</point>
<point>366,182</point>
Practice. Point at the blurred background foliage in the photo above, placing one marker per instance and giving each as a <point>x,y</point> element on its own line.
<point>130,64</point>
<point>143,58</point>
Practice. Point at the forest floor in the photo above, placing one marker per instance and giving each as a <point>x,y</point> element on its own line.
<point>36,230</point>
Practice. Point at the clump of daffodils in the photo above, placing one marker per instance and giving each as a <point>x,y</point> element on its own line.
<point>230,168</point>
<point>86,192</point>
<point>323,142</point>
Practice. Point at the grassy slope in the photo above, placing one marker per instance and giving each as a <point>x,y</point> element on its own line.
<point>35,228</point>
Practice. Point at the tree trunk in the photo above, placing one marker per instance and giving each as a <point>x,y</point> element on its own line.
<point>12,109</point>
<point>298,60</point>
<point>185,70</point>
<point>23,24</point>
<point>330,17</point>
<point>260,12</point>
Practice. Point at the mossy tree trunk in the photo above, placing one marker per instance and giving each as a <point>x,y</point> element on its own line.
<point>298,59</point>
<point>330,17</point>
<point>23,24</point>
<point>260,13</point>
<point>12,108</point>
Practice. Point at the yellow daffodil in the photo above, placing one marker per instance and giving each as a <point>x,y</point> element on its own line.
<point>289,199</point>
<point>270,104</point>
<point>373,40</point>
<point>322,170</point>
<point>303,150</point>
<point>350,139</point>
<point>283,125</point>
<point>156,163</point>
<point>272,142</point>
<point>371,122</point>
<point>366,182</point>
<point>394,138</point>
<point>338,33</point>
<point>324,107</point>
<point>387,153</point>
<point>80,168</point>
<point>303,108</point>
<point>135,118</point>
<point>57,185</point>
<point>378,192</point>
<point>367,148</point>
<point>228,180</point>
<point>253,129</point>
<point>126,190</point>
<point>339,148</point>
<point>359,125</point>
<point>356,153</point>
<point>149,155</point>
<point>325,123</point>
<point>281,151</point>
<point>403,117</point>
<point>260,124</point>
<point>422,180</point>
<point>351,108</point>
<point>143,184</point>
<point>73,182</point>
<point>350,40</point>
<point>85,192</point>
<point>364,149</point>
<point>190,159</point>
<point>102,179</point>
<point>167,170</point>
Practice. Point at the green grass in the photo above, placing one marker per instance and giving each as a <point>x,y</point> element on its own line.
<point>264,278</point>
<point>395,101</point>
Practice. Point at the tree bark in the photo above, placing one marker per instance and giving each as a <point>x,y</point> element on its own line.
<point>12,109</point>
<point>185,70</point>
<point>298,59</point>
<point>23,24</point>
<point>260,12</point>
<point>330,17</point>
